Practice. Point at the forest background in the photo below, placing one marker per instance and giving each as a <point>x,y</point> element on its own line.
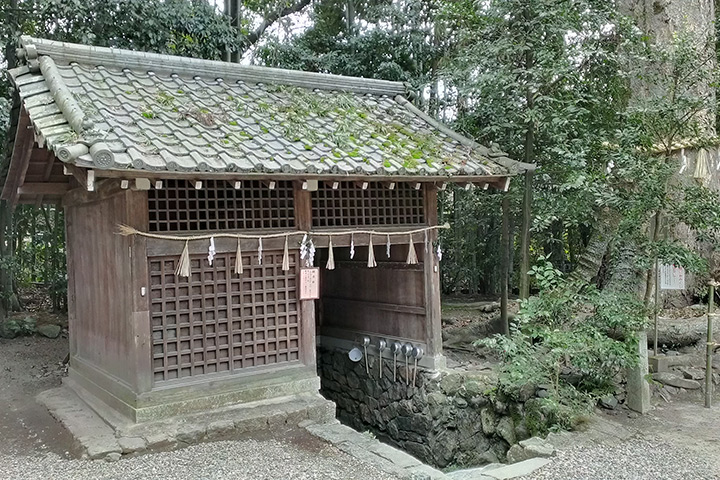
<point>599,94</point>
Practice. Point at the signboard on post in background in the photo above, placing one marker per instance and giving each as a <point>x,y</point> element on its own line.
<point>309,283</point>
<point>672,277</point>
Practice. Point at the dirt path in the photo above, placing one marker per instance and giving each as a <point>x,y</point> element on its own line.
<point>29,365</point>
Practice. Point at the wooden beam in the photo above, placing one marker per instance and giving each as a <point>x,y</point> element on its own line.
<point>43,189</point>
<point>80,174</point>
<point>20,160</point>
<point>291,177</point>
<point>103,189</point>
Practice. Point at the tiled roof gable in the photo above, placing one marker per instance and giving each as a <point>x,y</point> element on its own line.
<point>116,109</point>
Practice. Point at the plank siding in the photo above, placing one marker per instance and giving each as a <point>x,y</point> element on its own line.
<point>384,300</point>
<point>101,304</point>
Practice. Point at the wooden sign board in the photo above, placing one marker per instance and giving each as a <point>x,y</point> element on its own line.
<point>672,277</point>
<point>309,283</point>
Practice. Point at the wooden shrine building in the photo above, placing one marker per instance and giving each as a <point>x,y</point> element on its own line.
<point>226,181</point>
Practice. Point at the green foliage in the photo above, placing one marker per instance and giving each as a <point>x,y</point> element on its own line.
<point>571,339</point>
<point>178,27</point>
<point>16,327</point>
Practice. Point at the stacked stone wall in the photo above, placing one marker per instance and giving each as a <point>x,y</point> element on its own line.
<point>449,418</point>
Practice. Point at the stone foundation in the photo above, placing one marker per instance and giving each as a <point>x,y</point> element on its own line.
<point>448,418</point>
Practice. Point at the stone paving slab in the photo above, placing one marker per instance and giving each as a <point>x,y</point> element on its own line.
<point>517,469</point>
<point>99,439</point>
<point>368,449</point>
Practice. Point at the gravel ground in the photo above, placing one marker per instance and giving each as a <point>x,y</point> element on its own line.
<point>34,446</point>
<point>240,460</point>
<point>631,460</point>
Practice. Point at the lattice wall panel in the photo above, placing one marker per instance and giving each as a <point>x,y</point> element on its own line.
<point>179,207</point>
<point>217,321</point>
<point>350,205</point>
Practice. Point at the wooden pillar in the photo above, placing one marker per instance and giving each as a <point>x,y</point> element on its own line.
<point>70,266</point>
<point>136,214</point>
<point>505,264</point>
<point>432,277</point>
<point>303,221</point>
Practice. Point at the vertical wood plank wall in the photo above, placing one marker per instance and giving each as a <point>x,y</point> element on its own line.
<point>103,288</point>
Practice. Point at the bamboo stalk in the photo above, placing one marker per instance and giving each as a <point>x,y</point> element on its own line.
<point>710,345</point>
<point>657,304</point>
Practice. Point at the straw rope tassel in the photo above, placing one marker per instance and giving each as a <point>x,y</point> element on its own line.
<point>371,255</point>
<point>387,247</point>
<point>238,259</point>
<point>260,251</point>
<point>286,256</point>
<point>183,268</point>
<point>412,255</point>
<point>331,257</point>
<point>427,244</point>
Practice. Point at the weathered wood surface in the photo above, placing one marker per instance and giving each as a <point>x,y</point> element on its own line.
<point>370,291</point>
<point>101,286</point>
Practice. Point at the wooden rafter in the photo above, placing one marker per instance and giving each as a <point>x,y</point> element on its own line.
<point>22,150</point>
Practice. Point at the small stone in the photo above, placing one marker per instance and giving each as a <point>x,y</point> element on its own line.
<point>461,402</point>
<point>221,427</point>
<point>675,381</point>
<point>451,383</point>
<point>542,393</point>
<point>113,457</point>
<point>49,331</point>
<point>159,440</point>
<point>131,444</point>
<point>191,434</point>
<point>537,447</point>
<point>633,415</point>
<point>487,419</point>
<point>609,402</point>
<point>693,373</point>
<point>506,430</point>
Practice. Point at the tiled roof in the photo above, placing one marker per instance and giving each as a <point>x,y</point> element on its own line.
<point>116,109</point>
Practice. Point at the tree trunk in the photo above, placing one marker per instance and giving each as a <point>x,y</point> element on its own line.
<point>505,265</point>
<point>591,260</point>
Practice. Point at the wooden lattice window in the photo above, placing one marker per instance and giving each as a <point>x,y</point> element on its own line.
<point>217,321</point>
<point>179,207</point>
<point>351,205</point>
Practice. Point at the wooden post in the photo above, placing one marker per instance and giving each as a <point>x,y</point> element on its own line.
<point>504,264</point>
<point>136,215</point>
<point>525,237</point>
<point>303,221</point>
<point>709,348</point>
<point>431,273</point>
